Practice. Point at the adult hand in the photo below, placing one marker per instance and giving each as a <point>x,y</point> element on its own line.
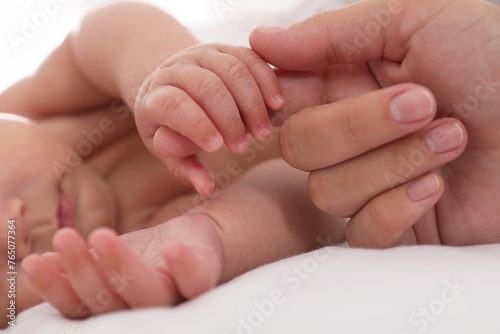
<point>361,155</point>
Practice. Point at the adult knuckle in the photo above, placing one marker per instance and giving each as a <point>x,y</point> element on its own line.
<point>324,194</point>
<point>287,143</point>
<point>318,193</point>
<point>353,126</point>
<point>330,193</point>
<point>379,218</point>
<point>318,20</point>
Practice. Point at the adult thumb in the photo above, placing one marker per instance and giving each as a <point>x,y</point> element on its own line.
<point>356,33</point>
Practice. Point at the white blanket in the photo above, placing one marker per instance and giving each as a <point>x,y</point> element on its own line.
<point>408,290</point>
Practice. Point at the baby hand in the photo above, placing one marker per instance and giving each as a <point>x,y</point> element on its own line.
<point>159,266</point>
<point>201,98</point>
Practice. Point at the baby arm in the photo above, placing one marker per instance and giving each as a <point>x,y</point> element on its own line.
<point>195,100</point>
<point>108,57</point>
<point>265,216</point>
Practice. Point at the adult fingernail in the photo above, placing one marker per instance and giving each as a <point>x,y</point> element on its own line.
<point>424,187</point>
<point>411,106</point>
<point>268,28</point>
<point>444,138</point>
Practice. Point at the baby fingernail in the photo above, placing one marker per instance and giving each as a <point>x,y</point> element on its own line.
<point>264,131</point>
<point>242,144</point>
<point>214,143</point>
<point>279,100</point>
<point>424,187</point>
<point>411,106</point>
<point>29,266</point>
<point>445,137</point>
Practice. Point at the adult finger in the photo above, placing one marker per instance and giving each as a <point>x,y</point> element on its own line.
<point>307,89</point>
<point>345,188</point>
<point>364,31</point>
<point>387,219</point>
<point>325,135</point>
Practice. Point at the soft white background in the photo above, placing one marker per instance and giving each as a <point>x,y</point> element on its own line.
<point>16,62</point>
<point>196,14</point>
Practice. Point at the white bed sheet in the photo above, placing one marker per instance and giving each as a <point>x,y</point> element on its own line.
<point>334,290</point>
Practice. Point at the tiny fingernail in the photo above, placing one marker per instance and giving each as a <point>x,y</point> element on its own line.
<point>279,100</point>
<point>411,106</point>
<point>214,143</point>
<point>204,188</point>
<point>63,246</point>
<point>268,28</point>
<point>242,144</point>
<point>424,187</point>
<point>445,137</point>
<point>100,246</point>
<point>264,131</point>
